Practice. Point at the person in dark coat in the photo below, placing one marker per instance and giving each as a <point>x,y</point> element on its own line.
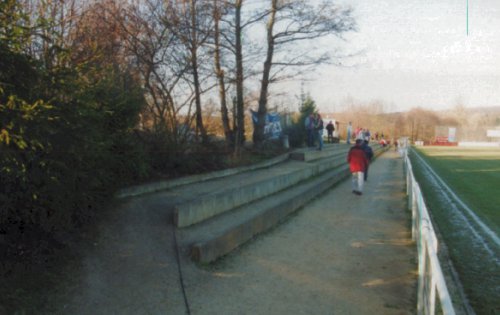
<point>357,164</point>
<point>369,155</point>
<point>319,130</point>
<point>330,128</point>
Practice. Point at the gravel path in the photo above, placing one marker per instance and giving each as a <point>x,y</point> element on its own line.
<point>342,254</point>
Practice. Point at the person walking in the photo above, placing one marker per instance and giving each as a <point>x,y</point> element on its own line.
<point>349,132</point>
<point>357,164</point>
<point>330,128</point>
<point>369,156</point>
<point>319,130</point>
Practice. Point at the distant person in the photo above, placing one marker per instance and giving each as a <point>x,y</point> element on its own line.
<point>349,132</point>
<point>356,132</point>
<point>383,142</point>
<point>360,134</point>
<point>357,164</point>
<point>369,156</point>
<point>367,135</point>
<point>309,125</point>
<point>319,130</point>
<point>330,128</point>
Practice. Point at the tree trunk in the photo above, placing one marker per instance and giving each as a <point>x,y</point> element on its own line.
<point>194,64</point>
<point>240,114</point>
<point>258,134</point>
<point>220,77</point>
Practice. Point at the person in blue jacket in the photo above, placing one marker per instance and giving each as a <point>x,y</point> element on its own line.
<point>369,156</point>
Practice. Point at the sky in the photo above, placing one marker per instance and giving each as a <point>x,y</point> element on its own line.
<point>414,53</point>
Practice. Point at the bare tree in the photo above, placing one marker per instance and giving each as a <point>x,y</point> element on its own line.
<point>422,124</point>
<point>163,65</point>
<point>97,36</point>
<point>291,22</point>
<point>219,72</point>
<point>52,23</point>
<point>232,29</point>
<point>240,118</point>
<point>191,22</point>
<point>231,26</point>
<point>194,64</point>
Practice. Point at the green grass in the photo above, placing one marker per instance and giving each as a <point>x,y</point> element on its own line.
<point>474,175</point>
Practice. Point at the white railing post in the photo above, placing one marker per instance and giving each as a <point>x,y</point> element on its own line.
<point>431,282</point>
<point>415,216</point>
<point>421,278</point>
<point>432,307</point>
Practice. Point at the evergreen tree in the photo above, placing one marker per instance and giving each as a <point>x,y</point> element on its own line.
<point>297,132</point>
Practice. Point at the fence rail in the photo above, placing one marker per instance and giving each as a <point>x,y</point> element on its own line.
<point>433,295</point>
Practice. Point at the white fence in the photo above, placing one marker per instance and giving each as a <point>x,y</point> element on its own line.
<point>433,294</point>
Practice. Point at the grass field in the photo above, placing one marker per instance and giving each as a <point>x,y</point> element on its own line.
<point>474,176</point>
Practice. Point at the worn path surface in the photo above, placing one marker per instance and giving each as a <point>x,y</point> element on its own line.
<point>342,254</point>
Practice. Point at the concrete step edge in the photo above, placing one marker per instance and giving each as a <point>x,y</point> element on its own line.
<point>209,250</point>
<point>218,202</point>
<point>142,189</point>
<point>215,203</point>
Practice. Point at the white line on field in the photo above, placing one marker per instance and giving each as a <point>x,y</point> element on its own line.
<point>460,215</point>
<point>485,228</point>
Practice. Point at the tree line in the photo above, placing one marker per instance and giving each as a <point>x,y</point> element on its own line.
<point>100,93</point>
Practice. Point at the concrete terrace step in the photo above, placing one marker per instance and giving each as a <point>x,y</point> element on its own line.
<point>239,193</point>
<point>312,154</point>
<point>142,189</point>
<point>220,235</point>
<point>212,238</point>
<point>330,150</point>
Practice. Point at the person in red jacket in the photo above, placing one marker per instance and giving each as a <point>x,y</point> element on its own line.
<point>357,163</point>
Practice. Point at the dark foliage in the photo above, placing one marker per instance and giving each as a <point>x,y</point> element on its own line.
<point>296,132</point>
<point>66,142</point>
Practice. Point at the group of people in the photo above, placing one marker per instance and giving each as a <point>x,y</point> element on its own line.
<point>359,158</point>
<point>314,126</point>
<point>359,155</point>
<point>363,134</point>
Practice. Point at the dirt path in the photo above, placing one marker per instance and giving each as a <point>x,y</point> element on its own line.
<point>343,254</point>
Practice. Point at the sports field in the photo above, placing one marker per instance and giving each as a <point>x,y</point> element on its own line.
<point>473,175</point>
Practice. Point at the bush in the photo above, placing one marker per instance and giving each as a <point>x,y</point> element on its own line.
<point>296,134</point>
<point>61,160</point>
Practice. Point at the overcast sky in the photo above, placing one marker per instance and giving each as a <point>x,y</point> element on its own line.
<point>416,53</point>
